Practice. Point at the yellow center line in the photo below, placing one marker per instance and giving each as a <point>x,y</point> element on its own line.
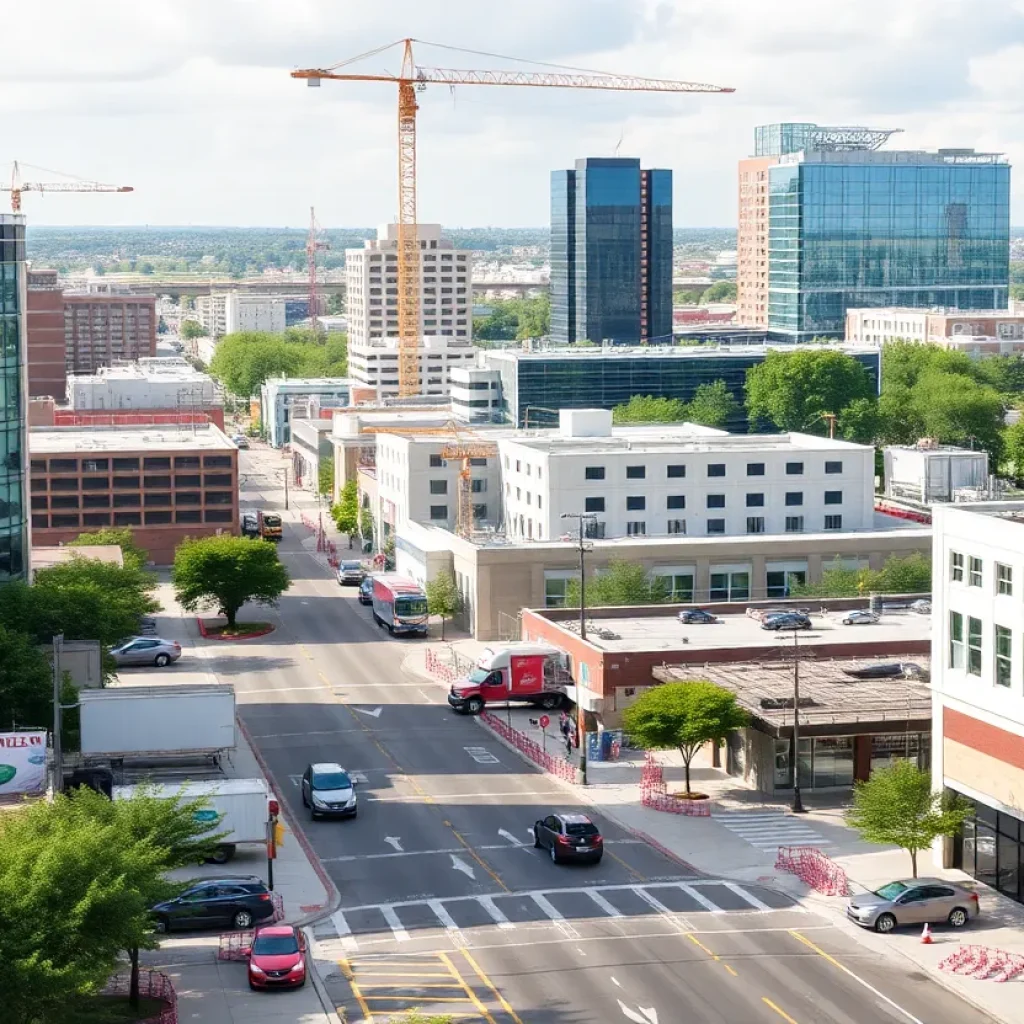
<point>817,949</point>
<point>447,960</point>
<point>490,984</point>
<point>636,874</point>
<point>434,999</point>
<point>416,985</point>
<point>782,1013</point>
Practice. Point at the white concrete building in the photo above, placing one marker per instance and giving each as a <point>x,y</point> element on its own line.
<point>476,394</point>
<point>230,312</point>
<point>284,399</point>
<point>376,365</point>
<point>977,332</point>
<point>928,472</point>
<point>977,689</point>
<point>148,384</point>
<point>681,480</point>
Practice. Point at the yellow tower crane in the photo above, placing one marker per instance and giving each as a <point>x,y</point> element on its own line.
<point>414,77</point>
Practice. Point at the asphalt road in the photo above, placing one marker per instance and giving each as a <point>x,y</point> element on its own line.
<point>446,906</point>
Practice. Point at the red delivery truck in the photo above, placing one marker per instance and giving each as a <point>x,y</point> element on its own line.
<point>521,671</point>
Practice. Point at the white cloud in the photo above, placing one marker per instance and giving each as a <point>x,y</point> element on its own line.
<point>190,100</point>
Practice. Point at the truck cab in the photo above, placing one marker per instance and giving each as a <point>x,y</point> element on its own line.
<point>531,673</point>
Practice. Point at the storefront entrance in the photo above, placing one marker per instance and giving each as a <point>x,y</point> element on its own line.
<point>991,850</point>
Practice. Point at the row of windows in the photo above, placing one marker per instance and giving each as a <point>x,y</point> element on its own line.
<point>476,487</point>
<point>149,518</point>
<point>715,469</point>
<point>970,570</point>
<point>441,512</point>
<point>103,483</point>
<point>56,465</point>
<point>712,527</point>
<point>755,500</point>
<point>130,500</point>
<point>966,647</point>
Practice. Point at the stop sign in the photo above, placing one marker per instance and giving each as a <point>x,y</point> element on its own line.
<point>544,721</point>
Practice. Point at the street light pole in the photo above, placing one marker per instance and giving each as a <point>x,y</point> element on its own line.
<point>58,751</point>
<point>798,806</point>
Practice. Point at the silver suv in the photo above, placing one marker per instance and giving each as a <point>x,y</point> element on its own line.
<point>351,572</point>
<point>914,901</point>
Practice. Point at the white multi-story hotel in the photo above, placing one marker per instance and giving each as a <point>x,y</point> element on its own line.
<point>446,310</point>
<point>223,313</point>
<point>978,684</point>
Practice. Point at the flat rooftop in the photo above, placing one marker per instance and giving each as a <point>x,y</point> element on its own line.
<point>310,383</point>
<point>711,351</point>
<point>666,633</point>
<point>69,440</point>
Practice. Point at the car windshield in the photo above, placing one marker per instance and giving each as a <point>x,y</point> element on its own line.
<point>275,945</point>
<point>411,606</point>
<point>580,828</point>
<point>351,565</point>
<point>332,780</point>
<point>892,890</point>
<point>478,675</point>
<point>272,520</point>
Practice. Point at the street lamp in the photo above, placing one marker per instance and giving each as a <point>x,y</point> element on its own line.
<point>798,805</point>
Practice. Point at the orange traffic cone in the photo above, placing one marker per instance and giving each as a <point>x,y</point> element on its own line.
<point>926,935</point>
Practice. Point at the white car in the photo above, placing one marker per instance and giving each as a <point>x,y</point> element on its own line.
<point>861,617</point>
<point>329,791</point>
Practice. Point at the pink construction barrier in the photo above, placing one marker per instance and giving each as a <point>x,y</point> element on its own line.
<point>152,985</point>
<point>235,945</point>
<point>278,901</point>
<point>549,762</point>
<point>440,668</point>
<point>654,793</point>
<point>810,865</point>
<point>984,963</point>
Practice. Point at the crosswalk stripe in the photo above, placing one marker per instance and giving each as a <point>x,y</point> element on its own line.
<point>700,898</point>
<point>652,901</point>
<point>454,932</point>
<point>348,942</point>
<point>607,907</point>
<point>743,894</point>
<point>394,924</point>
<point>496,915</point>
<point>547,906</point>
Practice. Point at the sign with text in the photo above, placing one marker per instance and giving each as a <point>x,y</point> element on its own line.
<point>22,762</point>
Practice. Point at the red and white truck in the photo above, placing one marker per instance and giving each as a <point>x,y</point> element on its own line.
<point>520,671</point>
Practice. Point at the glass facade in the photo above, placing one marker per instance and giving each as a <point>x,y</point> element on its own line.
<point>991,849</point>
<point>13,436</point>
<point>611,252</point>
<point>862,229</point>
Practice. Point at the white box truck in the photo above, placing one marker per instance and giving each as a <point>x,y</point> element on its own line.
<point>183,720</point>
<point>240,804</point>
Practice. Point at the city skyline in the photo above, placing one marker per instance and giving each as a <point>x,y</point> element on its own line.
<point>947,74</point>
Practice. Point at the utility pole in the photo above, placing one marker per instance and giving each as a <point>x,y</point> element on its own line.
<point>58,753</point>
<point>285,471</point>
<point>798,804</point>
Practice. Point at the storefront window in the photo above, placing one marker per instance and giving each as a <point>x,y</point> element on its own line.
<point>991,850</point>
<point>833,761</point>
<point>897,746</point>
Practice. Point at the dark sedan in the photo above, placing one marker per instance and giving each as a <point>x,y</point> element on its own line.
<point>569,837</point>
<point>366,591</point>
<point>787,620</point>
<point>696,615</point>
<point>238,902</point>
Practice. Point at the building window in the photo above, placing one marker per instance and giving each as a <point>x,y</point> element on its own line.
<point>755,501</point>
<point>956,566</point>
<point>126,465</point>
<point>974,572</point>
<point>126,482</point>
<point>833,497</point>
<point>156,498</point>
<point>593,504</point>
<point>636,528</point>
<point>635,503</point>
<point>676,526</point>
<point>833,467</point>
<point>716,469</point>
<point>92,501</point>
<point>678,586</point>
<point>436,462</point>
<point>716,501</point>
<point>755,469</point>
<point>794,469</point>
<point>730,586</point>
<point>95,465</point>
<point>554,592</point>
<point>480,512</point>
<point>210,462</point>
<point>1004,655</point>
<point>956,640</point>
<point>187,515</point>
<point>1004,579</point>
<point>127,500</point>
<point>716,526</point>
<point>186,480</point>
<point>973,646</point>
<point>127,518</point>
<point>96,519</point>
<point>217,480</point>
<point>755,524</point>
<point>833,522</point>
<point>187,498</point>
<point>676,472</point>
<point>217,515</point>
<point>794,497</point>
<point>590,473</point>
<point>438,486</point>
<point>156,463</point>
<point>438,511</point>
<point>158,481</point>
<point>595,531</point>
<point>636,472</point>
<point>478,486</point>
<point>676,501</point>
<point>219,497</point>
<point>180,462</point>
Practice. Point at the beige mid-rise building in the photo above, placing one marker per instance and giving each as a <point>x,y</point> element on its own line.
<point>752,242</point>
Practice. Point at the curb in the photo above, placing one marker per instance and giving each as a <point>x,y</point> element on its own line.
<point>228,639</point>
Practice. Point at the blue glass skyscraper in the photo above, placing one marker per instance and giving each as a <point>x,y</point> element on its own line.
<point>611,253</point>
<point>851,226</point>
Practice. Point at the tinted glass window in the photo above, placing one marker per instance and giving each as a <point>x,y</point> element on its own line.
<point>332,780</point>
<point>275,945</point>
<point>573,828</point>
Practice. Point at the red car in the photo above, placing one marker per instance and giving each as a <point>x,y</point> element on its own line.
<point>278,958</point>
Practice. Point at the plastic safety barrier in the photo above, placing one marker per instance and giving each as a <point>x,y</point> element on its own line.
<point>984,963</point>
<point>549,762</point>
<point>810,865</point>
<point>278,901</point>
<point>654,793</point>
<point>152,985</point>
<point>235,945</point>
<point>437,666</point>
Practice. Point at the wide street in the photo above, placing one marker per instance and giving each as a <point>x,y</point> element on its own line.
<point>446,905</point>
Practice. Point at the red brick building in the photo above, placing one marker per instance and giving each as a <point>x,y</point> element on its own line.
<point>44,330</point>
<point>100,329</point>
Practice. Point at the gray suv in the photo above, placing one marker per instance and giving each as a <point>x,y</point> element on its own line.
<point>914,901</point>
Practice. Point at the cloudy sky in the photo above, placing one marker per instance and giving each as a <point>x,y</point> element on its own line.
<point>190,101</point>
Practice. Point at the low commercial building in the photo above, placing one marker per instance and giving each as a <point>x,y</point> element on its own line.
<point>475,394</point>
<point>164,483</point>
<point>977,332</point>
<point>284,399</point>
<point>978,698</point>
<point>311,447</point>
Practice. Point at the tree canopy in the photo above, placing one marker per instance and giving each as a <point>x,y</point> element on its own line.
<point>120,536</point>
<point>712,405</point>
<point>243,361</point>
<point>191,329</point>
<point>346,512</point>
<point>443,597</point>
<point>26,689</point>
<point>225,572</point>
<point>621,583</point>
<point>514,319</point>
<point>911,574</point>
<point>684,716</point>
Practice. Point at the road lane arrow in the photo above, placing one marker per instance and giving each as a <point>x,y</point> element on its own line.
<point>375,713</point>
<point>511,838</point>
<point>393,840</point>
<point>460,865</point>
<point>642,1015</point>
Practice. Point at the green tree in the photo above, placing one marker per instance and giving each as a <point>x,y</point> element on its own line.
<point>648,409</point>
<point>684,716</point>
<point>897,806</point>
<point>226,572</point>
<point>1013,446</point>
<point>191,329</point>
<point>793,389</point>
<point>911,574</point>
<point>243,361</point>
<point>325,476</point>
<point>1004,372</point>
<point>443,597</point>
<point>346,512</point>
<point>122,537</point>
<point>713,405</point>
<point>365,522</point>
<point>720,291</point>
<point>860,421</point>
<point>908,574</point>
<point>958,410</point>
<point>686,297</point>
<point>621,583</point>
<point>514,319</point>
<point>26,688</point>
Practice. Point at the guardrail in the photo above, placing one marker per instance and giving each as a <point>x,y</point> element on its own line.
<point>810,865</point>
<point>983,963</point>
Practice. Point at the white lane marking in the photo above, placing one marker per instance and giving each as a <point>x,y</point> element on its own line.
<point>348,858</point>
<point>511,838</point>
<point>607,907</point>
<point>549,908</point>
<point>700,898</point>
<point>641,1015</point>
<point>651,901</point>
<point>394,924</point>
<point>279,689</point>
<point>375,713</point>
<point>458,864</point>
<point>496,915</point>
<point>481,755</point>
<point>426,697</point>
<point>749,897</point>
<point>348,942</point>
<point>454,932</point>
<point>395,842</point>
<point>616,983</point>
<point>296,735</point>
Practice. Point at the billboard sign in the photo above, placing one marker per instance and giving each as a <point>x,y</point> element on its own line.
<point>22,762</point>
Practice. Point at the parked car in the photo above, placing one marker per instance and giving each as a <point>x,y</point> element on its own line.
<point>922,606</point>
<point>692,616</point>
<point>277,958</point>
<point>786,620</point>
<point>250,524</point>
<point>569,837</point>
<point>366,591</point>
<point>861,618</point>
<point>766,613</point>
<point>147,625</point>
<point>328,791</point>
<point>239,901</point>
<point>914,901</point>
<point>888,670</point>
<point>351,571</point>
<point>146,650</point>
<point>240,441</point>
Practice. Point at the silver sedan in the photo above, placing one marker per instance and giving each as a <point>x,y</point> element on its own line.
<point>914,901</point>
<point>146,650</point>
<point>861,618</point>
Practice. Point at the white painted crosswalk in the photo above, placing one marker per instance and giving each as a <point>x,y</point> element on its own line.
<point>562,908</point>
<point>768,830</point>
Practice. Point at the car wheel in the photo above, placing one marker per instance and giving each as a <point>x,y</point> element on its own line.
<point>552,700</point>
<point>162,659</point>
<point>885,923</point>
<point>241,920</point>
<point>536,838</point>
<point>958,917</point>
<point>162,926</point>
<point>474,705</point>
<point>220,856</point>
<point>313,816</point>
<point>554,854</point>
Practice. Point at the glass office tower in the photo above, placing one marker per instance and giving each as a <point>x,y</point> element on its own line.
<point>849,226</point>
<point>611,253</point>
<point>13,409</point>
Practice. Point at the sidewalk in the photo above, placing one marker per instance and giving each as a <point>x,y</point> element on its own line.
<point>717,846</point>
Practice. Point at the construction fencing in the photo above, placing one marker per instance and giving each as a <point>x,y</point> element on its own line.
<point>654,793</point>
<point>810,865</point>
<point>152,985</point>
<point>556,766</point>
<point>323,545</point>
<point>983,963</point>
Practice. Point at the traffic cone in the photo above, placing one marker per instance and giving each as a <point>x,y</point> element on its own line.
<point>926,935</point>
